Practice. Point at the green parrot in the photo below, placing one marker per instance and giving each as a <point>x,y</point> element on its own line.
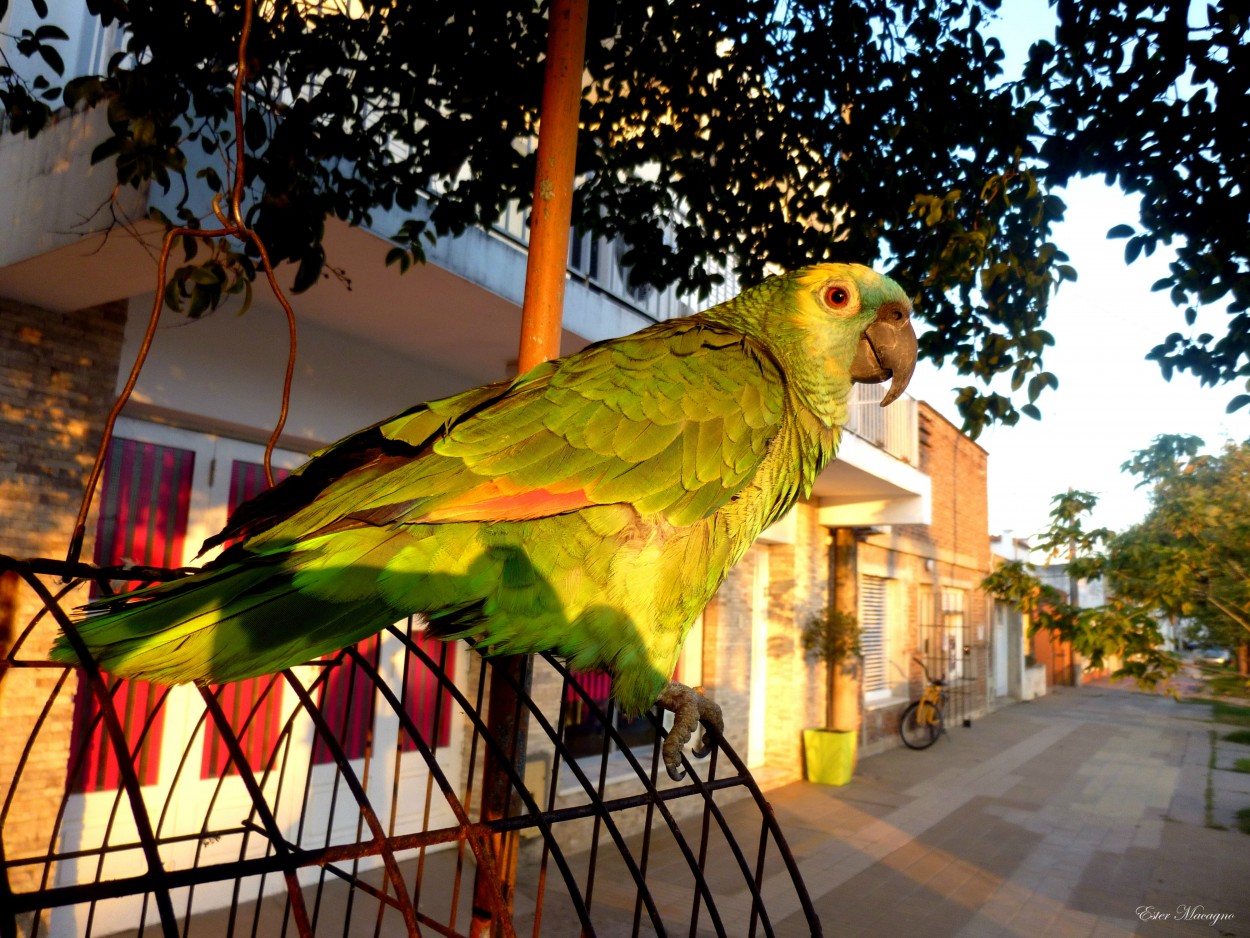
<point>590,507</point>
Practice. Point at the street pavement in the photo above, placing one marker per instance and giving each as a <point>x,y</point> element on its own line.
<point>1093,811</point>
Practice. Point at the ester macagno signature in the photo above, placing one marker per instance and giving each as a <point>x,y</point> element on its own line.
<point>1182,913</point>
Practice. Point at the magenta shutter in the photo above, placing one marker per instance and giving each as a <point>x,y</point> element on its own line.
<point>144,500</point>
<point>348,701</point>
<point>347,704</point>
<point>596,684</point>
<point>421,695</point>
<point>253,706</point>
<point>583,731</point>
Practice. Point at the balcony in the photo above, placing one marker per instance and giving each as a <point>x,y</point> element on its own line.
<point>876,478</point>
<point>893,428</point>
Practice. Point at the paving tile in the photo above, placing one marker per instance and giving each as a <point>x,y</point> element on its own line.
<point>1059,817</point>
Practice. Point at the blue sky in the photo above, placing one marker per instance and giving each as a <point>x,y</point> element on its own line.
<point>1110,401</point>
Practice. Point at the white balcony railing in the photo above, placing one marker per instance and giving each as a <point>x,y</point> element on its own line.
<point>894,428</point>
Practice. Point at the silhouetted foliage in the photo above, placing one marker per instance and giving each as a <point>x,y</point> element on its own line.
<point>879,131</point>
<point>1190,556</point>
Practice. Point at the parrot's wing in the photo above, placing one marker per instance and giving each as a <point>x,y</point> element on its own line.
<point>673,420</point>
<point>367,454</point>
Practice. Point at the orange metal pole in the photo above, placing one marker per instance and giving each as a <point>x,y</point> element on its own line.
<point>540,341</point>
<point>553,184</point>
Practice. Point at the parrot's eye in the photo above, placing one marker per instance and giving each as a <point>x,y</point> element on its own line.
<point>838,297</point>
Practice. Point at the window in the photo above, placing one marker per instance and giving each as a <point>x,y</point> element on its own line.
<point>349,706</point>
<point>252,706</point>
<point>584,253</point>
<point>583,731</point>
<point>144,502</point>
<point>874,635</point>
<point>148,516</point>
<point>346,706</point>
<point>953,632</point>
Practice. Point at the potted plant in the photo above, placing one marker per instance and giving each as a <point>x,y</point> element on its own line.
<point>832,637</point>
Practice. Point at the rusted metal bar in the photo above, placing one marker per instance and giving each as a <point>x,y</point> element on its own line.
<point>598,808</point>
<point>354,786</point>
<point>544,819</point>
<point>117,736</point>
<point>470,777</point>
<point>709,806</point>
<point>756,904</point>
<point>656,749</point>
<point>507,728</point>
<point>511,779</point>
<point>78,570</point>
<point>478,843</point>
<point>259,805</point>
<point>546,267</point>
<point>148,723</point>
<point>783,848</point>
<point>553,787</point>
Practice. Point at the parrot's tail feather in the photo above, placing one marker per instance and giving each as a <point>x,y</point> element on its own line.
<point>224,624</point>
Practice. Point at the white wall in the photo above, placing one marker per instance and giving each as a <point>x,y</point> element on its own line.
<point>230,368</point>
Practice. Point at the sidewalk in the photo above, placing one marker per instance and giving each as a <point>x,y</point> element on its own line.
<point>1092,811</point>
<point>1081,813</point>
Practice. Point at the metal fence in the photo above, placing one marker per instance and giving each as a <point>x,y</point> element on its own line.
<point>323,829</point>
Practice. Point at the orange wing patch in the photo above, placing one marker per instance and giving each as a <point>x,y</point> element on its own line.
<point>502,500</point>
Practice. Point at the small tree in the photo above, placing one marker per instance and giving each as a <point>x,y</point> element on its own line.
<point>832,638</point>
<point>1124,626</point>
<point>1189,557</point>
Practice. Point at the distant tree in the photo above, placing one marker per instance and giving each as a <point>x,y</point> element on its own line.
<point>1123,630</point>
<point>1190,556</point>
<point>1188,559</point>
<point>881,131</point>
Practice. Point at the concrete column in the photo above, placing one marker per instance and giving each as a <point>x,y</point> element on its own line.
<point>843,680</point>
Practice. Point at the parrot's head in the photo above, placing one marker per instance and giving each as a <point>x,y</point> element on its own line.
<point>855,320</point>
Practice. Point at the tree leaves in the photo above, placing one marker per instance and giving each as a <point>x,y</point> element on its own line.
<point>1123,627</point>
<point>740,134</point>
<point>1164,128</point>
<point>1190,557</point>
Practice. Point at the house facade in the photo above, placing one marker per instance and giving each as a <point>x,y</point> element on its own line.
<point>75,302</point>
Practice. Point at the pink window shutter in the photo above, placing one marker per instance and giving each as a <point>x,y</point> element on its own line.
<point>143,520</point>
<point>252,706</point>
<point>422,694</point>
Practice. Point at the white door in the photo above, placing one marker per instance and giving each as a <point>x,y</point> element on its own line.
<point>759,658</point>
<point>1000,650</point>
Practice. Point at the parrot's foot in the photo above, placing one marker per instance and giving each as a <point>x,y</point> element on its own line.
<point>688,706</point>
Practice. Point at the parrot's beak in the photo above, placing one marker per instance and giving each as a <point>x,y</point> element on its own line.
<point>887,350</point>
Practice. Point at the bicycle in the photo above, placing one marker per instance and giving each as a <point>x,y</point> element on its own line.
<point>921,723</point>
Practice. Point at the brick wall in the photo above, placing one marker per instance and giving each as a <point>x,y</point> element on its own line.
<point>953,551</point>
<point>58,372</point>
<point>727,625</point>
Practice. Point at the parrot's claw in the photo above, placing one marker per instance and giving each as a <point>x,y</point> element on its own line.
<point>689,707</point>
